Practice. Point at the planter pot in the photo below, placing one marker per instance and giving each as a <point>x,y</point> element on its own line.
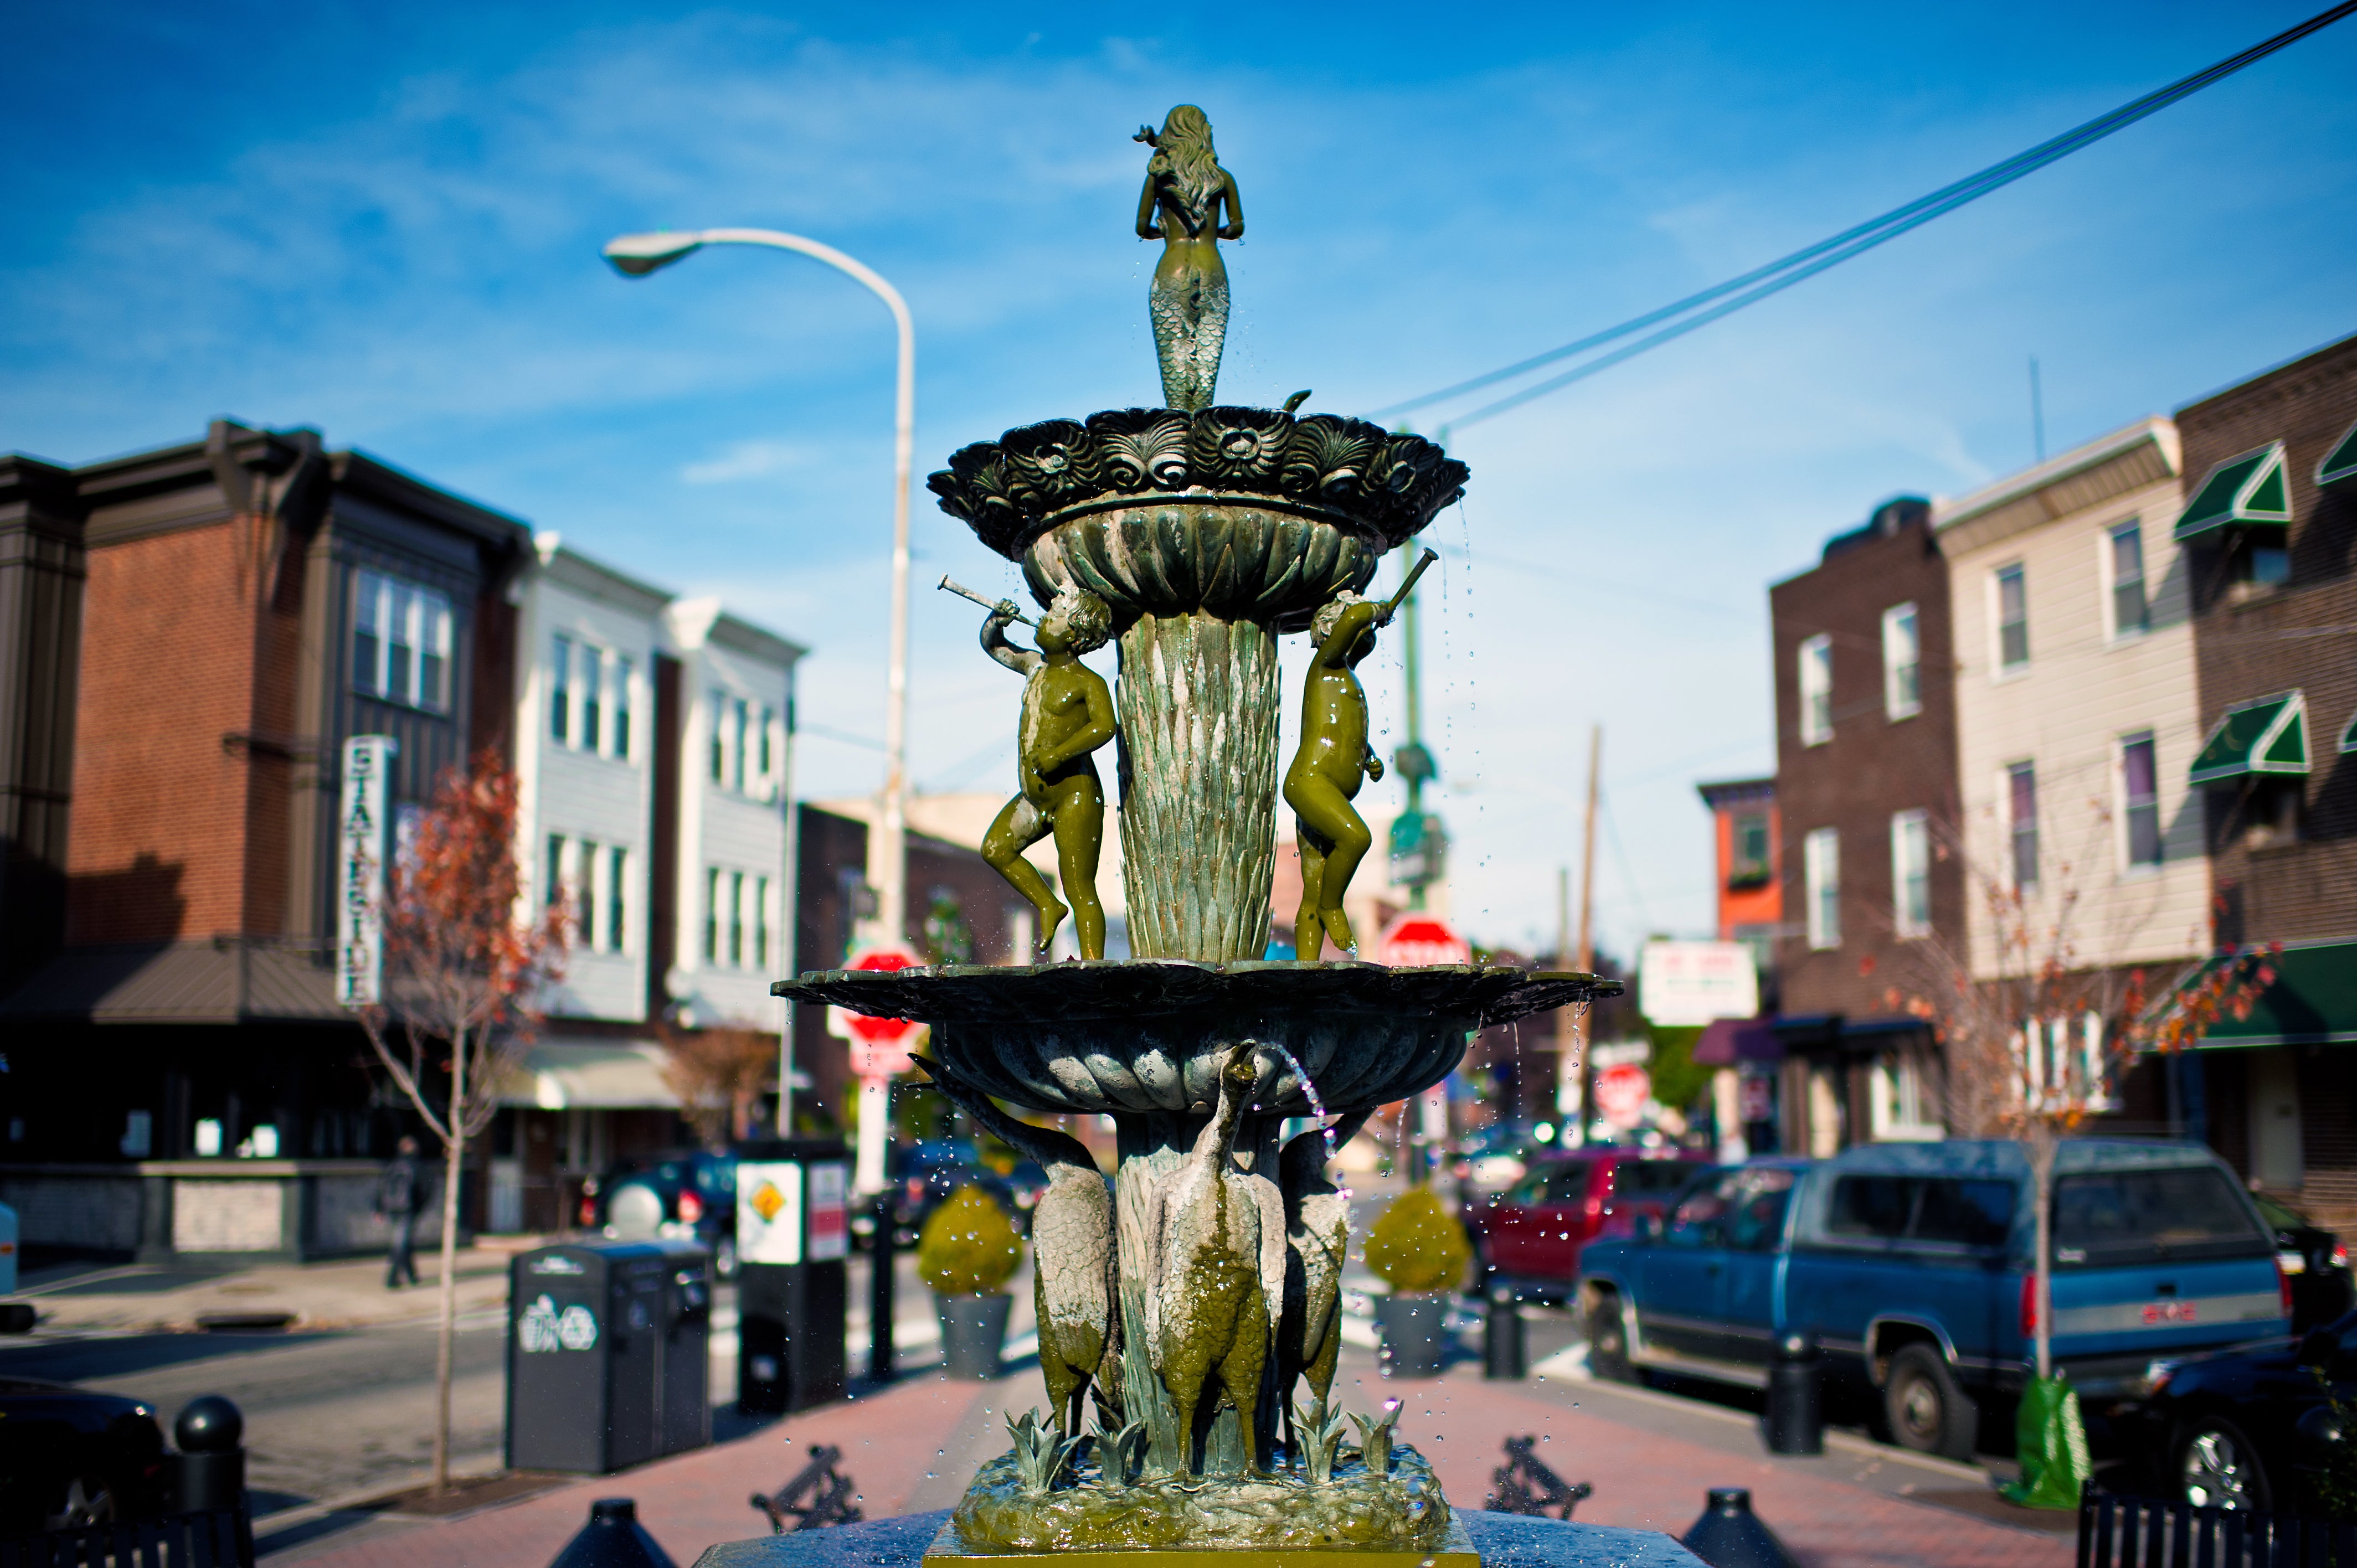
<point>974,1331</point>
<point>1415,1333</point>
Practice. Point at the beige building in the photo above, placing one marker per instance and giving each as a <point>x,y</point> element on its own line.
<point>2077,713</point>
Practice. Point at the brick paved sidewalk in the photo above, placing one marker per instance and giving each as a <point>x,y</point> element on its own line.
<point>913,1446</point>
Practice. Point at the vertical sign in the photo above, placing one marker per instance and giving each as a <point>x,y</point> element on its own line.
<point>830,1237</point>
<point>359,870</point>
<point>770,1210</point>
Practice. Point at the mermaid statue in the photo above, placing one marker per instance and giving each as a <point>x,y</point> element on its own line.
<point>1185,187</point>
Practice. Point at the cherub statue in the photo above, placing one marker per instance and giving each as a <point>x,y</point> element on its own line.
<point>1185,187</point>
<point>1067,714</point>
<point>1328,770</point>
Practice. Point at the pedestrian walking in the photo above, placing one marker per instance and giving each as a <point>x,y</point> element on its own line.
<point>396,1200</point>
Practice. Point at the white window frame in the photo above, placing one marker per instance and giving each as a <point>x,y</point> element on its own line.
<point>1895,704</point>
<point>1821,881</point>
<point>1998,669</point>
<point>427,626</point>
<point>1910,832</point>
<point>2123,840</point>
<point>1815,674</point>
<point>2107,574</point>
<point>2004,818</point>
<point>561,728</point>
<point>1890,1071</point>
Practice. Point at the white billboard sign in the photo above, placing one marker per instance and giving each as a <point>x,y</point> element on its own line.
<point>359,870</point>
<point>1687,983</point>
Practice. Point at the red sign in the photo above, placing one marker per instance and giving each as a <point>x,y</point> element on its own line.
<point>1621,1093</point>
<point>879,1046</point>
<point>1415,941</point>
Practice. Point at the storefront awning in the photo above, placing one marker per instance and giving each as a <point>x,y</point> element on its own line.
<point>2268,735</point>
<point>1732,1040</point>
<point>2313,1001</point>
<point>2340,463</point>
<point>2246,490</point>
<point>574,1074</point>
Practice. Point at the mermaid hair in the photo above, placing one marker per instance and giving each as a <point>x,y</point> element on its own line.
<point>1329,614</point>
<point>1089,617</point>
<point>1184,160</point>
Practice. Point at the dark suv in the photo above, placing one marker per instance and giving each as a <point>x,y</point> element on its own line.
<point>1532,1234</point>
<point>684,1197</point>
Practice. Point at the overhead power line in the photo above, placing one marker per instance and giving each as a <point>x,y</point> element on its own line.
<point>1724,299</point>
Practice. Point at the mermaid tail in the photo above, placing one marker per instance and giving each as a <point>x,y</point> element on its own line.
<point>1191,327</point>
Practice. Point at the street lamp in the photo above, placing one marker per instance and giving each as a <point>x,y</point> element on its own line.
<point>636,255</point>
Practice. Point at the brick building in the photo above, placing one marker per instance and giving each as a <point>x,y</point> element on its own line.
<point>1865,791</point>
<point>2270,541</point>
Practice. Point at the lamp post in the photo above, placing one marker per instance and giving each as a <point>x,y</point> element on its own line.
<point>636,255</point>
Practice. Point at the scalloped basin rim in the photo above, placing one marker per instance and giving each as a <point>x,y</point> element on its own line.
<point>1076,990</point>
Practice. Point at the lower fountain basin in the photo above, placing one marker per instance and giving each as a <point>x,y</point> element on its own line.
<point>1150,1035</point>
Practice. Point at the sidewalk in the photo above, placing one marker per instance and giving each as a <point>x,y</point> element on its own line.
<point>153,1299</point>
<point>913,1446</point>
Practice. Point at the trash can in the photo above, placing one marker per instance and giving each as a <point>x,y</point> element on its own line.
<point>607,1355</point>
<point>793,1235</point>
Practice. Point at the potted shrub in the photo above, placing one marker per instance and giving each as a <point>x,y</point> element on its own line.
<point>965,1253</point>
<point>1420,1251</point>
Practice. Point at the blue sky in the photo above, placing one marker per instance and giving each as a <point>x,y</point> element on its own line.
<point>387,227</point>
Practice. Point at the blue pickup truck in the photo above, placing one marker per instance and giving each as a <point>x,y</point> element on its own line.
<point>1908,1266</point>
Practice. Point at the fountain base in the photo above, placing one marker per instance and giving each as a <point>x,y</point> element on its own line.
<point>1187,1521</point>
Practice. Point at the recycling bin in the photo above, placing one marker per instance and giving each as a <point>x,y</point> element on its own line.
<point>793,1237</point>
<point>609,1355</point>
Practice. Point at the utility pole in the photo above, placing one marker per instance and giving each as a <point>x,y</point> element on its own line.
<point>1566,1019</point>
<point>1586,958</point>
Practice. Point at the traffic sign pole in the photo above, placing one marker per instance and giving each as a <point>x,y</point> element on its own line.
<point>879,1049</point>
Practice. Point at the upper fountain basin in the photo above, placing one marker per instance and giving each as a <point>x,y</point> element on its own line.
<point>1152,1035</point>
<point>1243,512</point>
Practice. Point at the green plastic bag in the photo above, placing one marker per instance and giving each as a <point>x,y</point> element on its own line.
<point>2052,1444</point>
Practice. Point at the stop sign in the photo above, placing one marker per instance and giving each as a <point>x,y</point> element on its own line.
<point>1413,941</point>
<point>879,1046</point>
<point>1621,1092</point>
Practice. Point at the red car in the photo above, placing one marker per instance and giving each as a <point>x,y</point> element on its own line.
<point>1532,1234</point>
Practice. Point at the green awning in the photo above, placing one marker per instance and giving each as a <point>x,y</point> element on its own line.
<point>2340,463</point>
<point>2349,735</point>
<point>2246,490</point>
<point>2268,735</point>
<point>2313,1001</point>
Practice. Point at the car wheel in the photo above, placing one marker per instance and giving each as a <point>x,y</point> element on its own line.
<point>87,1500</point>
<point>2217,1469</point>
<point>1925,1409</point>
<point>1608,1341</point>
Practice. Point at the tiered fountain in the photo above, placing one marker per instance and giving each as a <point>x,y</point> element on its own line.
<point>1184,1306</point>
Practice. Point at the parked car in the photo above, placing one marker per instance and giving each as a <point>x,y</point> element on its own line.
<point>2247,1428</point>
<point>1493,1159</point>
<point>925,1173</point>
<point>1532,1235</point>
<point>1908,1265</point>
<point>2316,1261</point>
<point>70,1457</point>
<point>681,1197</point>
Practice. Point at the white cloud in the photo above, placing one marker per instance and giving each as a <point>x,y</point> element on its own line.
<point>742,460</point>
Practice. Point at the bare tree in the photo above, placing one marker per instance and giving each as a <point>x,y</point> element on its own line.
<point>718,1075</point>
<point>2040,1040</point>
<point>467,965</point>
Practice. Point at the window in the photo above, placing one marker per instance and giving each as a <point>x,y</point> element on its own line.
<point>2140,798</point>
<point>560,689</point>
<point>719,735</point>
<point>2022,816</point>
<point>2131,608</point>
<point>712,916</point>
<point>553,895</point>
<point>1903,1105</point>
<point>593,662</point>
<point>2012,619</point>
<point>1911,874</point>
<point>1944,1210</point>
<point>1903,659</point>
<point>618,881</point>
<point>585,896</point>
<point>1818,690</point>
<point>739,744</point>
<point>401,642</point>
<point>1748,865</point>
<point>764,772</point>
<point>760,922</point>
<point>737,919</point>
<point>1821,867</point>
<point>2116,1219</point>
<point>622,674</point>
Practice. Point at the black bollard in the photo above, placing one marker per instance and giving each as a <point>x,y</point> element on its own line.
<point>1729,1535</point>
<point>1796,1417</point>
<point>613,1539</point>
<point>209,1472</point>
<point>1505,1351</point>
<point>879,1293</point>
